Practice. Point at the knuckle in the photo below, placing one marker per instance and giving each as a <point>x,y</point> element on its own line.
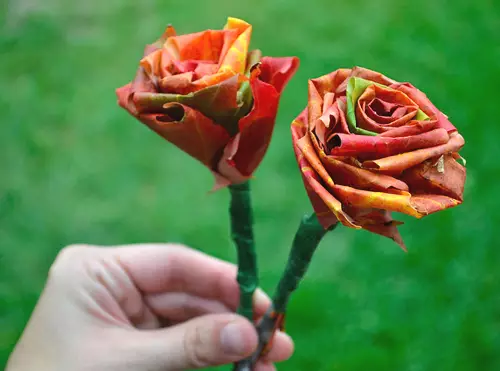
<point>70,251</point>
<point>65,260</point>
<point>197,347</point>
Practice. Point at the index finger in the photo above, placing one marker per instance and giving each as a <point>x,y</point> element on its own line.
<point>159,268</point>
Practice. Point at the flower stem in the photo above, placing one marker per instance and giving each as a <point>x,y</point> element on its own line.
<point>306,240</point>
<point>240,211</point>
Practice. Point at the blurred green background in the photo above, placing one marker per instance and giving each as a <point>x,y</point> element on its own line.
<point>76,168</point>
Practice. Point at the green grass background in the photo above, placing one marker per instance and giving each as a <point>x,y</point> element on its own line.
<point>76,168</point>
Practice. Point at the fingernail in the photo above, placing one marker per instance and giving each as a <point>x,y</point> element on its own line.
<point>231,339</point>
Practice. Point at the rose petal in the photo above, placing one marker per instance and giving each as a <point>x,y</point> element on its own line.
<point>375,200</point>
<point>236,56</point>
<point>306,146</point>
<point>325,216</point>
<point>210,80</point>
<point>189,130</point>
<point>227,173</point>
<point>158,44</point>
<point>342,127</point>
<point>398,163</point>
<point>379,222</point>
<point>199,68</point>
<point>203,69</point>
<point>315,106</point>
<point>356,177</point>
<point>217,102</point>
<point>425,105</point>
<point>123,94</point>
<point>414,127</point>
<point>318,88</point>
<point>427,178</point>
<point>367,147</point>
<point>366,74</point>
<point>177,84</point>
<point>256,128</point>
<point>233,29</point>
<point>328,199</point>
<point>328,101</point>
<point>385,112</point>
<point>278,71</point>
<point>429,203</point>
<point>156,63</point>
<point>338,172</point>
<point>331,82</point>
<point>417,206</point>
<point>179,67</point>
<point>327,208</point>
<point>386,96</point>
<point>220,182</point>
<point>214,55</point>
<point>205,45</point>
<point>141,83</point>
<point>331,121</point>
<point>236,24</point>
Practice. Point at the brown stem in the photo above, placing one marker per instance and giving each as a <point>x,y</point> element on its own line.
<point>266,329</point>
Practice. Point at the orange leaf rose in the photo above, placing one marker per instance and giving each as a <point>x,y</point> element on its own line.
<point>367,145</point>
<point>210,96</point>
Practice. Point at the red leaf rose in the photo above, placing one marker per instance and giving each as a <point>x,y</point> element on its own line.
<point>208,95</point>
<point>367,145</point>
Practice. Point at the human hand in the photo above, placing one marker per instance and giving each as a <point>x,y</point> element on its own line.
<point>141,308</point>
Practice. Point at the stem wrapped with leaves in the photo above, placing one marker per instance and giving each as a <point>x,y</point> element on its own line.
<point>306,240</point>
<point>240,211</point>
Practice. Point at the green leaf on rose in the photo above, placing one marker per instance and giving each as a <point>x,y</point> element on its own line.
<point>421,116</point>
<point>355,88</point>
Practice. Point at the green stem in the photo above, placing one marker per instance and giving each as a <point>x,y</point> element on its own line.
<point>306,240</point>
<point>240,211</point>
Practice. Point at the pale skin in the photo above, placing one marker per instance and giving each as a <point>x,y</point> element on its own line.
<point>151,307</point>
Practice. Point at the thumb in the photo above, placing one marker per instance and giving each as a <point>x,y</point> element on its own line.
<point>205,341</point>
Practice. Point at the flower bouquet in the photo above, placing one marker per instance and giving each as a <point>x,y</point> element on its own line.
<point>366,145</point>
